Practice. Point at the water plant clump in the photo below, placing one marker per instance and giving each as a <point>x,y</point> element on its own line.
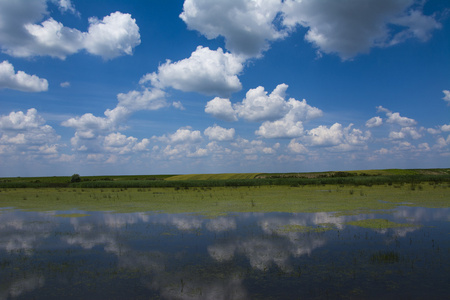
<point>322,227</point>
<point>379,224</point>
<point>385,257</point>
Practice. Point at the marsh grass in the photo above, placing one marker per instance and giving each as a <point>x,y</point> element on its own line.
<point>223,200</point>
<point>72,215</point>
<point>385,257</point>
<point>306,229</point>
<point>380,224</point>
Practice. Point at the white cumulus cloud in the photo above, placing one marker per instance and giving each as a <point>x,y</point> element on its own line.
<point>114,35</point>
<point>89,126</point>
<point>217,133</point>
<point>286,127</point>
<point>27,132</point>
<point>404,133</point>
<point>247,26</point>
<point>337,137</point>
<point>296,147</point>
<point>20,121</point>
<point>184,135</point>
<point>20,81</point>
<point>395,118</point>
<point>206,71</point>
<point>221,108</point>
<point>258,106</point>
<point>357,26</point>
<point>148,99</point>
<point>121,144</point>
<point>27,30</point>
<point>374,122</point>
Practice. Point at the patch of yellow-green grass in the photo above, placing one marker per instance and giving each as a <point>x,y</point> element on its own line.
<point>305,229</point>
<point>379,224</point>
<point>74,215</point>
<point>225,176</point>
<point>223,200</point>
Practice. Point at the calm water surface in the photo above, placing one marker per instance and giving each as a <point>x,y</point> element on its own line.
<point>238,256</point>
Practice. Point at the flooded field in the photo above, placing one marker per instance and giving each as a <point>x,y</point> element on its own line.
<point>102,255</point>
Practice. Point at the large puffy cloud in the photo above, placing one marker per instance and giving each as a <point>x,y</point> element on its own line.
<point>247,26</point>
<point>217,133</point>
<point>258,106</point>
<point>336,137</point>
<point>107,147</point>
<point>115,35</point>
<point>20,81</point>
<point>286,127</point>
<point>52,38</point>
<point>210,72</point>
<point>356,26</point>
<point>121,144</point>
<point>20,121</point>
<point>221,108</point>
<point>22,35</point>
<point>291,125</point>
<point>282,119</point>
<point>27,132</point>
<point>88,125</point>
<point>182,135</point>
<point>324,136</point>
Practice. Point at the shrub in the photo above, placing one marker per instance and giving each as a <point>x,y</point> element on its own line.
<point>75,178</point>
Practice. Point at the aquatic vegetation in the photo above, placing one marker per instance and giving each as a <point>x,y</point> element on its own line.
<point>385,257</point>
<point>322,227</point>
<point>222,200</point>
<point>71,215</point>
<point>380,224</point>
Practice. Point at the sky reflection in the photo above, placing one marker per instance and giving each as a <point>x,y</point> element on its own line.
<point>237,256</point>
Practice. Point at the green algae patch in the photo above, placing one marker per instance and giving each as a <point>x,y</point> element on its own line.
<point>380,224</point>
<point>322,227</point>
<point>74,215</point>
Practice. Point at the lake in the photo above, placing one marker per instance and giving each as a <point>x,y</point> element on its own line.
<point>74,254</point>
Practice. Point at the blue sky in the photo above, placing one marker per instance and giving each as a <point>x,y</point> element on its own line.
<point>212,86</point>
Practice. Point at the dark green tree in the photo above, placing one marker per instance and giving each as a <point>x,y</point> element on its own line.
<point>75,178</point>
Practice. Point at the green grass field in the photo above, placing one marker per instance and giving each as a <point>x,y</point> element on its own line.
<point>355,178</point>
<point>223,200</point>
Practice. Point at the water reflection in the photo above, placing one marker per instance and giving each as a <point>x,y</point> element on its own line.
<point>238,256</point>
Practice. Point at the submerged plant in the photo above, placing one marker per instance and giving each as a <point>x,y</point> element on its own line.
<point>386,257</point>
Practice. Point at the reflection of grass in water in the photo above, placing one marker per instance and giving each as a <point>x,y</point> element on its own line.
<point>219,200</point>
<point>74,215</point>
<point>379,224</point>
<point>386,257</point>
<point>303,228</point>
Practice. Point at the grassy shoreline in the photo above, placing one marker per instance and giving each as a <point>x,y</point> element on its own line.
<point>224,200</point>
